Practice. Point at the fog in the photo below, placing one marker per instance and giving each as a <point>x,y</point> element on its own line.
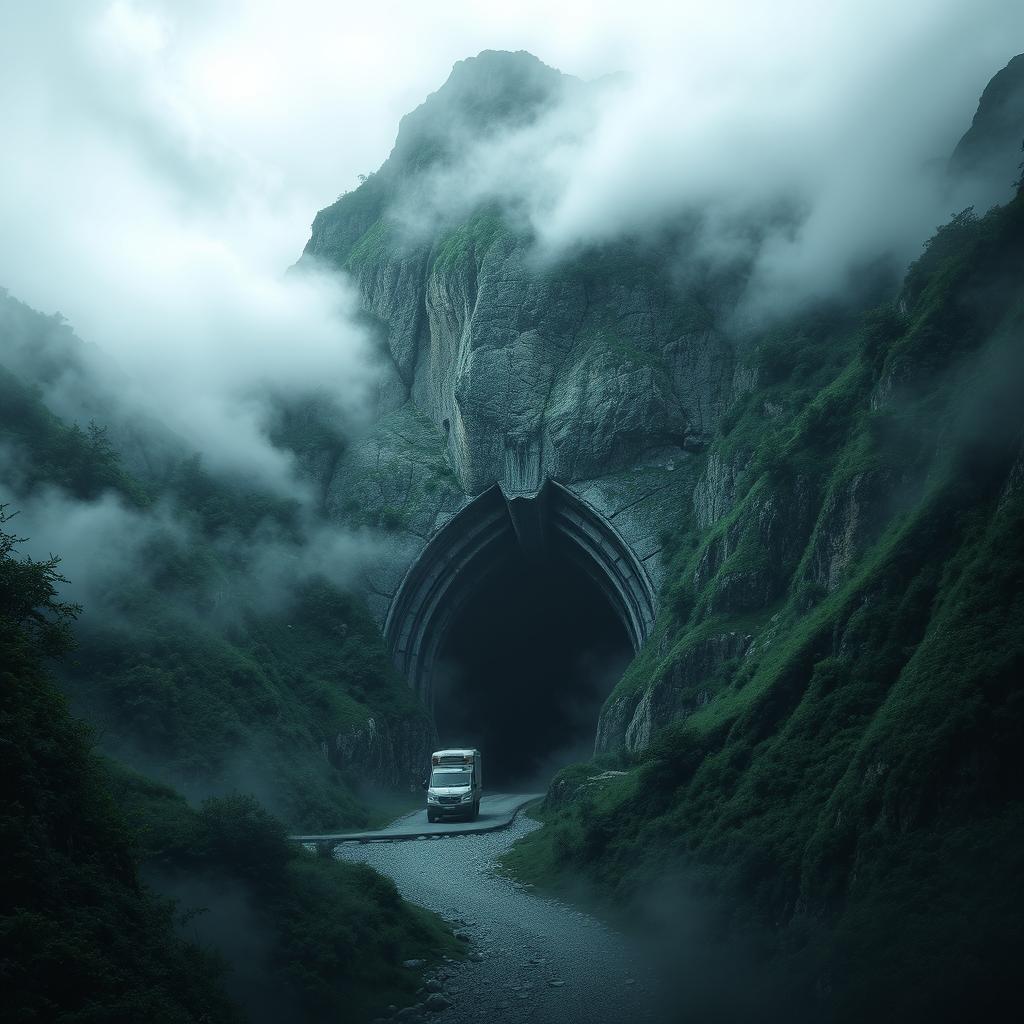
<point>105,542</point>
<point>163,161</point>
<point>222,914</point>
<point>167,157</point>
<point>805,160</point>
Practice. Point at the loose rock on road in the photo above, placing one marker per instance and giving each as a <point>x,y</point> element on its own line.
<point>531,958</point>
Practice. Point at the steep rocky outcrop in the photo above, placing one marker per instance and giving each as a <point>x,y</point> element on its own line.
<point>596,371</point>
<point>600,372</point>
<point>387,754</point>
<point>823,735</point>
<point>529,377</point>
<point>851,516</point>
<point>630,720</point>
<point>988,157</point>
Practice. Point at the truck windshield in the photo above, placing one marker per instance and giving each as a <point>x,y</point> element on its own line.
<point>459,777</point>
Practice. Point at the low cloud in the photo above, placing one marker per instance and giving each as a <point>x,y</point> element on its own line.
<point>799,147</point>
<point>108,546</point>
<point>165,160</point>
<point>215,367</point>
<point>102,544</point>
<point>162,240</point>
<point>221,915</point>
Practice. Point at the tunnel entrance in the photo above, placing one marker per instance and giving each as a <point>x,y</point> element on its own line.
<point>513,624</point>
<point>524,669</point>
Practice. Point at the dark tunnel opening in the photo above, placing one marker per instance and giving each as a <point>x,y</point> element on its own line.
<point>524,669</point>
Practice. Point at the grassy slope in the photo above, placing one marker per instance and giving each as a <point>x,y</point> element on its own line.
<point>83,939</point>
<point>853,787</point>
<point>336,932</point>
<point>189,669</point>
<point>80,938</point>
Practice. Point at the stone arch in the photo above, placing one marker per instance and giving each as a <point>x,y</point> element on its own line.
<point>493,527</point>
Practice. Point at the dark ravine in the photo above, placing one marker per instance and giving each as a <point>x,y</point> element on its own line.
<point>811,534</point>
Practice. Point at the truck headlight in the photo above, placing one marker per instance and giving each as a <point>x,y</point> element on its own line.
<point>431,799</point>
<point>466,797</point>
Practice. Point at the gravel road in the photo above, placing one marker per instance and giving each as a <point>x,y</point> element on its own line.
<point>531,958</point>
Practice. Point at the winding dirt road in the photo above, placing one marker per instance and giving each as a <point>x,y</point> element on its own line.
<point>531,958</point>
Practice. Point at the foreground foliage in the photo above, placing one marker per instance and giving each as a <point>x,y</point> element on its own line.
<point>80,938</point>
<point>89,847</point>
<point>308,937</point>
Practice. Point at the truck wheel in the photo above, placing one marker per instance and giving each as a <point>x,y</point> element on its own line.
<point>476,810</point>
<point>431,817</point>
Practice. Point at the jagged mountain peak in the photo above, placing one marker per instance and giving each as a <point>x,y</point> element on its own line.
<point>990,150</point>
<point>496,89</point>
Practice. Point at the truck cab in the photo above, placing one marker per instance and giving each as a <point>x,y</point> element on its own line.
<point>455,784</point>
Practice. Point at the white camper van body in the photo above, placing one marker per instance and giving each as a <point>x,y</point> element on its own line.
<point>455,784</point>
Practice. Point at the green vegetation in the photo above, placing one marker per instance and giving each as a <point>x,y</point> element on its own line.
<point>335,933</point>
<point>84,938</point>
<point>849,798</point>
<point>80,938</point>
<point>468,244</point>
<point>208,655</point>
<point>250,701</point>
<point>371,247</point>
<point>80,461</point>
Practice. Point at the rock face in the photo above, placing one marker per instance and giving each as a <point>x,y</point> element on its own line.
<point>595,372</point>
<point>715,492</point>
<point>989,156</point>
<point>850,518</point>
<point>607,375</point>
<point>392,755</point>
<point>629,720</point>
<point>530,378</point>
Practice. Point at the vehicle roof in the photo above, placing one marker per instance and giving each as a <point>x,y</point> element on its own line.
<point>454,750</point>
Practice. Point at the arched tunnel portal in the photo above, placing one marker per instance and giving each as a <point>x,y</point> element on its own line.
<point>515,621</point>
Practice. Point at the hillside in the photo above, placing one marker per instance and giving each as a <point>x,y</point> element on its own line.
<point>120,902</point>
<point>207,655</point>
<point>821,743</point>
<point>816,746</point>
<point>805,518</point>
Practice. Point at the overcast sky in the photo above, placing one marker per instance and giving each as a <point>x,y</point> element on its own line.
<point>163,160</point>
<point>230,122</point>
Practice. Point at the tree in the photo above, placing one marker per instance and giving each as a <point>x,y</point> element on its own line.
<point>99,442</point>
<point>29,596</point>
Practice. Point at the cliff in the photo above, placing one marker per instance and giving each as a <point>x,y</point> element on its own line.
<point>598,371</point>
<point>823,726</point>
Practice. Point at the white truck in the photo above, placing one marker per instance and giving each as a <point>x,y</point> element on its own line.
<point>455,784</point>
